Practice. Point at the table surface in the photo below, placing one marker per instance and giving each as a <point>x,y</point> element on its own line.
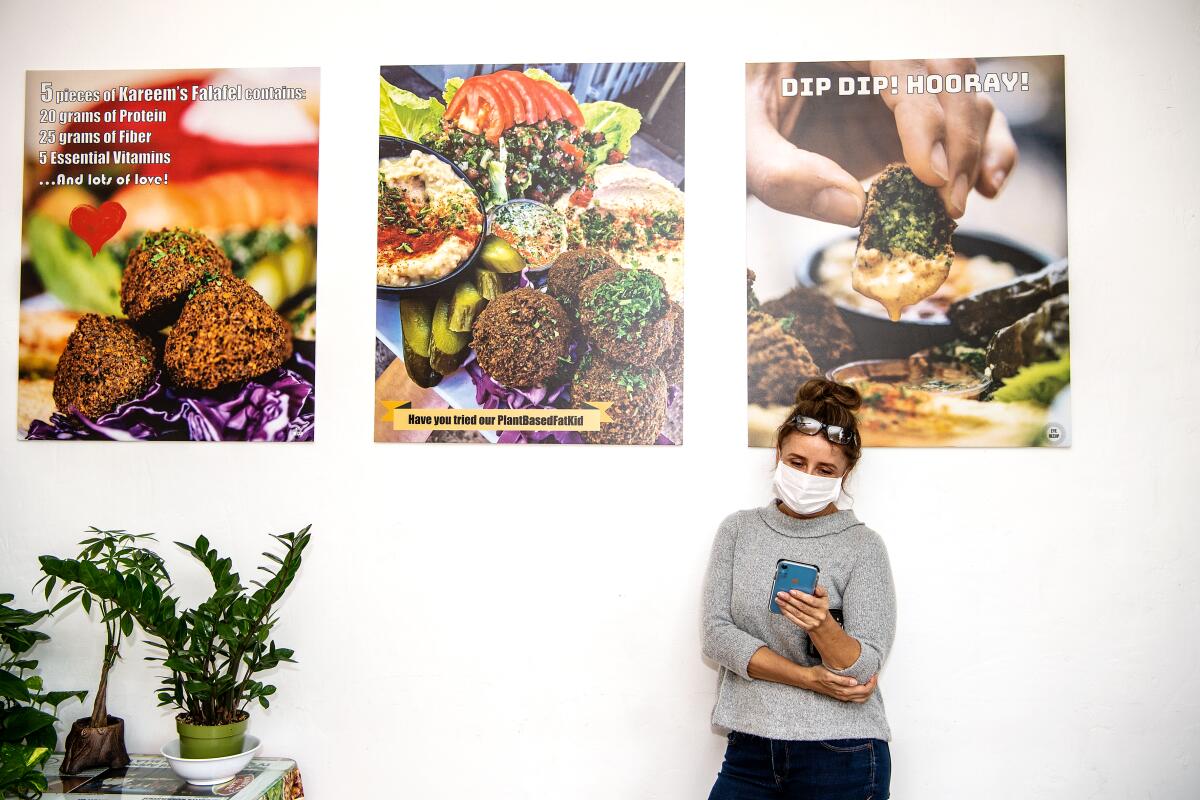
<point>148,777</point>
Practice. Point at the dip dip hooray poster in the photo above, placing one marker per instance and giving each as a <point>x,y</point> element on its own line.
<point>906,233</point>
<point>168,259</point>
<point>529,282</point>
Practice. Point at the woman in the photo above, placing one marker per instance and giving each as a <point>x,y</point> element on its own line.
<point>797,690</point>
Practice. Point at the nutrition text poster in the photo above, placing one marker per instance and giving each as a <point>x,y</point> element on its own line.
<point>168,259</point>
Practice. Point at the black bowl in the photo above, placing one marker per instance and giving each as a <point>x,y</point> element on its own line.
<point>879,337</point>
<point>395,147</point>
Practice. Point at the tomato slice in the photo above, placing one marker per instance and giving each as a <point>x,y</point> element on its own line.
<point>534,109</point>
<point>516,107</point>
<point>553,109</point>
<point>499,115</point>
<point>456,104</point>
<point>569,107</point>
<point>479,106</point>
<point>498,98</point>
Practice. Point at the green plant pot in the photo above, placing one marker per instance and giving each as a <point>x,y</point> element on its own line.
<point>211,741</point>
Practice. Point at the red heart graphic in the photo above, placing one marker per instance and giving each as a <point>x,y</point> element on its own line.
<point>97,225</point>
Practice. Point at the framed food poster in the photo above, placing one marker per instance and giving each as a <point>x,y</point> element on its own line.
<point>529,283</point>
<point>906,234</point>
<point>168,261</point>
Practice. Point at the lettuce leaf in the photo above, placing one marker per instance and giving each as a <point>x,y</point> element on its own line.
<point>68,270</point>
<point>542,75</point>
<point>452,87</point>
<point>1036,383</point>
<point>619,123</point>
<point>405,115</point>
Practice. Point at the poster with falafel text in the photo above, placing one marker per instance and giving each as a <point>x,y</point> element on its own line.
<point>907,234</point>
<point>529,283</point>
<point>168,256</point>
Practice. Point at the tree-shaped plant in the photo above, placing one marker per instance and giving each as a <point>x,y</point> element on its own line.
<point>212,652</point>
<point>26,731</point>
<point>99,741</point>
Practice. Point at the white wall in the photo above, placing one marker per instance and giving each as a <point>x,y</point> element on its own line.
<point>1048,599</point>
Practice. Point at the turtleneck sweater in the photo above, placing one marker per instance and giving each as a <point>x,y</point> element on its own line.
<point>854,570</point>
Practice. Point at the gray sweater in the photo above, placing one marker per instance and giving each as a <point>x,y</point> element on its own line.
<point>737,621</point>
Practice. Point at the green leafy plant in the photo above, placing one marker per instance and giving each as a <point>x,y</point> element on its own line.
<point>214,651</point>
<point>26,730</point>
<point>112,551</point>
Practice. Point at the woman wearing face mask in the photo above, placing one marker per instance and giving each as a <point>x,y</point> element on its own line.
<point>797,690</point>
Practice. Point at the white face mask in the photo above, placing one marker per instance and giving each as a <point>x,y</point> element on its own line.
<point>804,493</point>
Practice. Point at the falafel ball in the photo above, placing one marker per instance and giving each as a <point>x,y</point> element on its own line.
<point>672,358</point>
<point>107,362</point>
<point>163,269</point>
<point>777,362</point>
<point>624,314</point>
<point>638,396</point>
<point>225,333</point>
<point>808,314</point>
<point>520,336</point>
<point>568,272</point>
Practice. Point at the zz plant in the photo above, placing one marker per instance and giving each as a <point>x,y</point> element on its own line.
<point>212,652</point>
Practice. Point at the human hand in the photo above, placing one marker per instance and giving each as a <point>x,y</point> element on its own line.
<point>809,611</point>
<point>803,158</point>
<point>839,687</point>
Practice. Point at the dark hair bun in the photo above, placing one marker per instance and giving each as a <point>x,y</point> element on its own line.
<point>819,390</point>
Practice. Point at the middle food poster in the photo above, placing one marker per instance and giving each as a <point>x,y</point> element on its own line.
<point>529,281</point>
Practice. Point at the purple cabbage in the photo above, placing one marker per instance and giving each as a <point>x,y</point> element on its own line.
<point>490,394</point>
<point>279,406</point>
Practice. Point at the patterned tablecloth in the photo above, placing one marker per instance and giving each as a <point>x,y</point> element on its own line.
<point>150,778</point>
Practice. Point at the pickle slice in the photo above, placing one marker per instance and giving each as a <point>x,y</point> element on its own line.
<point>448,349</point>
<point>490,284</point>
<point>464,307</point>
<point>499,255</point>
<point>416,322</point>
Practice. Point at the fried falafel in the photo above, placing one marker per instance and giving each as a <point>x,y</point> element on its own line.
<point>776,361</point>
<point>623,312</point>
<point>568,272</point>
<point>638,396</point>
<point>905,241</point>
<point>809,315</point>
<point>163,270</point>
<point>520,337</point>
<point>225,333</point>
<point>672,358</point>
<point>106,362</point>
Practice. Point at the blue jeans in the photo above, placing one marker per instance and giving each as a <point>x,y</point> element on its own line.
<point>775,769</point>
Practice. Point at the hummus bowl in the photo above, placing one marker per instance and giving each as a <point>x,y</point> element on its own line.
<point>982,260</point>
<point>431,220</point>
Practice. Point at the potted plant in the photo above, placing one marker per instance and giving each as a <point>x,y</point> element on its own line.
<point>99,740</point>
<point>26,731</point>
<point>212,652</point>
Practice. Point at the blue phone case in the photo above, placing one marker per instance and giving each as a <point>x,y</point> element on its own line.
<point>793,575</point>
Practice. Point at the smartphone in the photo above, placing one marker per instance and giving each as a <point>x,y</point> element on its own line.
<point>793,575</point>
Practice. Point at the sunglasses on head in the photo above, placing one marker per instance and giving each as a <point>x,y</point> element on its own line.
<point>834,433</point>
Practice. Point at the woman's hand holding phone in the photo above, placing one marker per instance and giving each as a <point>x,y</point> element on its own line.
<point>809,611</point>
